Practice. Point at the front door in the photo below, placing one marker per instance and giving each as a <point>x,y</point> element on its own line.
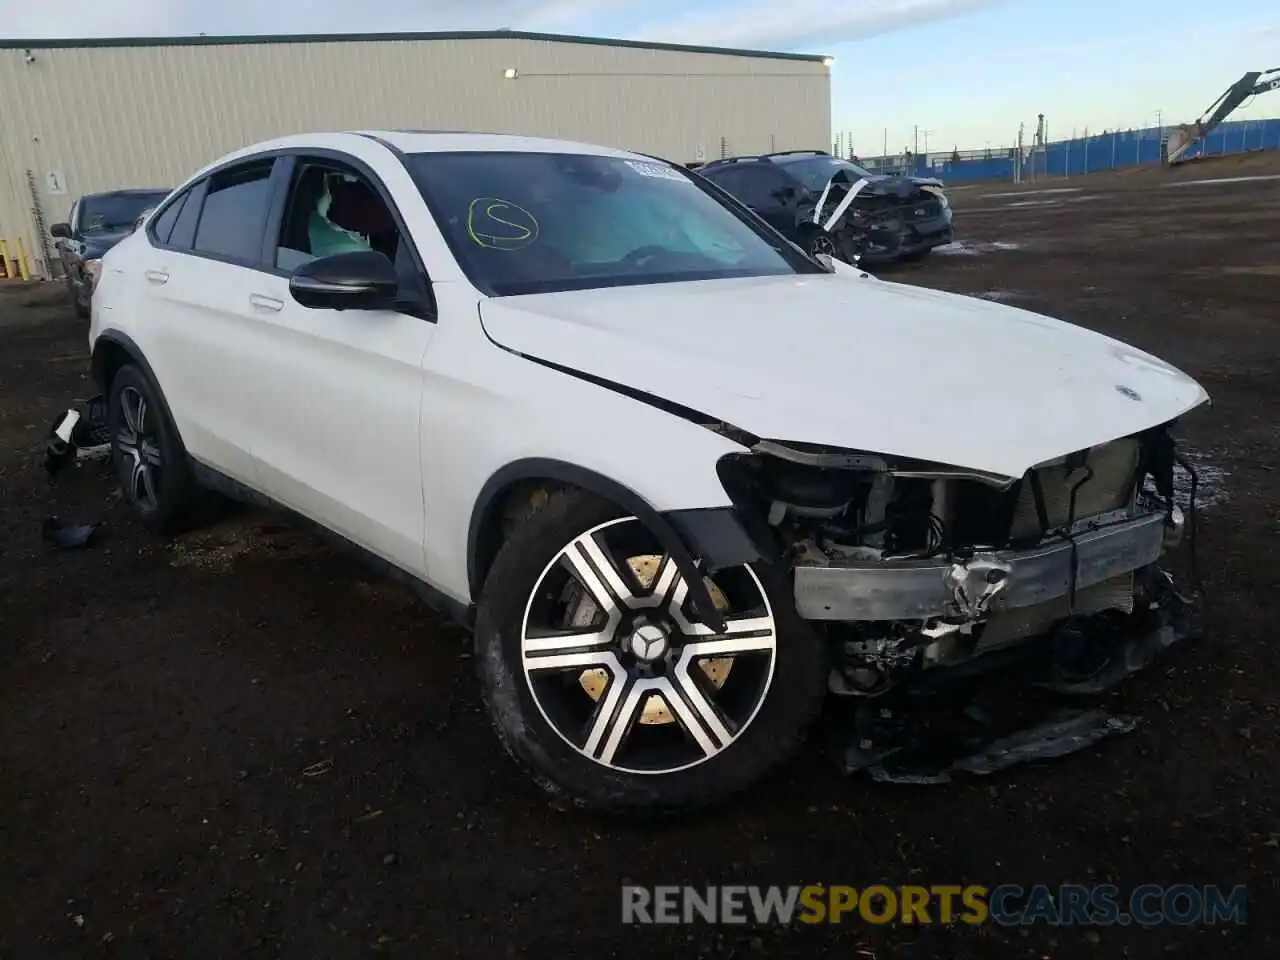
<point>337,431</point>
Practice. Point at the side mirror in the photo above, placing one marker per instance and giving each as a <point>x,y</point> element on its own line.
<point>61,230</point>
<point>361,280</point>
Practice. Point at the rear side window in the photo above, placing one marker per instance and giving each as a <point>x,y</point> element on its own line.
<point>235,207</point>
<point>184,230</point>
<point>755,186</point>
<point>163,226</point>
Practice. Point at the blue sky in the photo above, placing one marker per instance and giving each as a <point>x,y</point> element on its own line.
<point>966,71</point>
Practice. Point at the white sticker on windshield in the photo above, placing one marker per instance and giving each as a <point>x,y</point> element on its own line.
<point>656,170</point>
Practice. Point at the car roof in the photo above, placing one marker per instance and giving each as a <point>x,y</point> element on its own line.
<point>426,141</point>
<point>439,141</point>
<point>129,192</point>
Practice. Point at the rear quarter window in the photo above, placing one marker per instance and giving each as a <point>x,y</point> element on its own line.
<point>233,213</point>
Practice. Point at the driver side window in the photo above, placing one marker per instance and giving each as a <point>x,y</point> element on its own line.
<point>332,209</point>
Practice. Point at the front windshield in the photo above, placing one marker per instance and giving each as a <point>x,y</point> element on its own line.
<point>815,173</point>
<point>117,211</point>
<point>541,222</point>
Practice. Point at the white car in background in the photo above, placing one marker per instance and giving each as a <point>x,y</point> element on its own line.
<point>680,478</point>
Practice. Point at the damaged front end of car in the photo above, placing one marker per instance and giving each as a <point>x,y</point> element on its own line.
<point>883,219</point>
<point>925,577</point>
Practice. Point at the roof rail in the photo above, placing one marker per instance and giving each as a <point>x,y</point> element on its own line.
<point>764,157</point>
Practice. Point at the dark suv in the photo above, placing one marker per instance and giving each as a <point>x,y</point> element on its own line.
<point>832,206</point>
<point>97,222</point>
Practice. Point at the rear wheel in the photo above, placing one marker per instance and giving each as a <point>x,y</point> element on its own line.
<point>602,686</point>
<point>149,460</point>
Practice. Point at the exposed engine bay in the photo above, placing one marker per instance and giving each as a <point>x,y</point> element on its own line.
<point>911,567</point>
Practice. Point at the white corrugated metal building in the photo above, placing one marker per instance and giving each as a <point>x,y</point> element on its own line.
<point>86,115</point>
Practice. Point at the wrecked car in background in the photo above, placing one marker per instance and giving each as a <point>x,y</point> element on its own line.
<point>96,223</point>
<point>831,206</point>
<point>681,480</point>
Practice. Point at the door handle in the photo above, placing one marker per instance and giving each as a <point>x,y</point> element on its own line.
<point>266,303</point>
<point>158,276</point>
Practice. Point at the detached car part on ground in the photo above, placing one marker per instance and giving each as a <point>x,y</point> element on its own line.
<point>680,479</point>
<point>831,206</point>
<point>96,223</point>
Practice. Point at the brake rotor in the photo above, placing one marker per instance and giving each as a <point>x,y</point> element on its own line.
<point>716,669</point>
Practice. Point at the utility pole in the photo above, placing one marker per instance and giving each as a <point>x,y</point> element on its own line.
<point>915,143</point>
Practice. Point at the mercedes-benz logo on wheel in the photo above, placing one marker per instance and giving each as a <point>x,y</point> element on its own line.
<point>648,643</point>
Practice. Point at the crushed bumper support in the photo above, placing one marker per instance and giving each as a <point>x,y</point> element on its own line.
<point>1034,708</point>
<point>927,589</point>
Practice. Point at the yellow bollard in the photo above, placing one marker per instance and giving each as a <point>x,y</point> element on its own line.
<point>24,270</point>
<point>4,258</point>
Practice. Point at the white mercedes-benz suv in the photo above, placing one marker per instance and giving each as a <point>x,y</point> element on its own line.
<point>679,478</point>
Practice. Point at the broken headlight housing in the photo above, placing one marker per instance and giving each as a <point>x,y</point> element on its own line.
<point>798,498</point>
<point>804,501</point>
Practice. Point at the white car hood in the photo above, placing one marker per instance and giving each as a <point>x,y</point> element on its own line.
<point>859,364</point>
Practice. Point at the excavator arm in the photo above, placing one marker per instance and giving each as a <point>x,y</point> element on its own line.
<point>1251,84</point>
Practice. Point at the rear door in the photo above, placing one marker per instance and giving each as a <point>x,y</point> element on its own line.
<point>336,432</point>
<point>206,251</point>
<point>762,187</point>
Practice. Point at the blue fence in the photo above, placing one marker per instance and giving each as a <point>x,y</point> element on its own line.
<point>1107,151</point>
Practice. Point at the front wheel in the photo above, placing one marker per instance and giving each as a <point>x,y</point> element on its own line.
<point>818,243</point>
<point>78,306</point>
<point>602,686</point>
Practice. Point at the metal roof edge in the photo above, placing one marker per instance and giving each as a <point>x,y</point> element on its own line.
<point>200,40</point>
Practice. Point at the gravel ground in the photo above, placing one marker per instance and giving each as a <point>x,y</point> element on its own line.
<point>240,743</point>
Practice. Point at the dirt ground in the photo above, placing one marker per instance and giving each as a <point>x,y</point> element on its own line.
<point>239,743</point>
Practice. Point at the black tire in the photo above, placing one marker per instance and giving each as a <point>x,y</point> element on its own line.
<point>177,501</point>
<point>793,699</point>
<point>917,256</point>
<point>81,309</point>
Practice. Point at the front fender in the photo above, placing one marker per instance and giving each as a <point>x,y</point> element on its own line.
<point>714,533</point>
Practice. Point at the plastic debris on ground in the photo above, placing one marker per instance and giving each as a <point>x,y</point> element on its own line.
<point>68,536</point>
<point>1032,710</point>
<point>79,434</point>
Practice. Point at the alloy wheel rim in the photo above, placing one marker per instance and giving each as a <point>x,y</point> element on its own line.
<point>641,639</point>
<point>821,245</point>
<point>138,451</point>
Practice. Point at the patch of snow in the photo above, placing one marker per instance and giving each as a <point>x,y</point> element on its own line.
<point>956,248</point>
<point>959,248</point>
<point>1033,193</point>
<point>1198,183</point>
